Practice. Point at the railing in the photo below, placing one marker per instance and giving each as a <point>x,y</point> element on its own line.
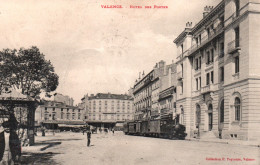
<point>208,88</point>
<point>234,45</point>
<point>207,38</point>
<point>196,93</point>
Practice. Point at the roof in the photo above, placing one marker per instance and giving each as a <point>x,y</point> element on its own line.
<point>55,104</point>
<point>220,6</point>
<point>15,95</point>
<point>111,96</point>
<point>201,22</point>
<point>182,35</point>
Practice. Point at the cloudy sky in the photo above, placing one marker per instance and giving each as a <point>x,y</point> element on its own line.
<point>95,49</point>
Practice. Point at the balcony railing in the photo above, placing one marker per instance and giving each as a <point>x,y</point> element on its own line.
<point>196,93</point>
<point>208,88</point>
<point>207,38</point>
<point>234,46</point>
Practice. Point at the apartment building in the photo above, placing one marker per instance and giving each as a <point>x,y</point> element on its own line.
<point>52,114</point>
<point>153,93</point>
<point>106,109</point>
<point>218,75</point>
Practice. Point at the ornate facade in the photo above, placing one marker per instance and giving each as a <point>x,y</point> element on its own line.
<point>218,75</point>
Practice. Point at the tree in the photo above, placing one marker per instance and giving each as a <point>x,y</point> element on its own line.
<point>28,71</point>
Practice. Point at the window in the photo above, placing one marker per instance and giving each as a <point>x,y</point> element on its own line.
<point>99,117</point>
<point>46,116</point>
<point>197,83</point>
<point>45,108</point>
<point>79,115</point>
<point>61,109</point>
<point>237,109</point>
<point>221,74</point>
<point>221,50</point>
<point>208,57</point>
<point>237,3</point>
<point>237,36</point>
<point>182,70</point>
<point>237,64</point>
<point>53,109</point>
<point>200,81</point>
<point>68,116</point>
<point>199,63</point>
<point>212,55</point>
<point>73,116</point>
<point>196,64</point>
<point>181,87</point>
<point>198,114</point>
<point>212,77</point>
<point>207,79</point>
<point>222,111</point>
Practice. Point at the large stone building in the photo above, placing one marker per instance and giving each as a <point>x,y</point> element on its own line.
<point>106,109</point>
<point>154,93</point>
<point>53,114</point>
<point>218,72</point>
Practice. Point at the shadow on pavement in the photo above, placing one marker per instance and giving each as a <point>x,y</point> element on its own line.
<point>53,140</point>
<point>38,158</point>
<point>49,145</point>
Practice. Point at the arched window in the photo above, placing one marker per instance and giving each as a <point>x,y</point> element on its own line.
<point>237,109</point>
<point>222,111</point>
<point>210,107</point>
<point>197,114</point>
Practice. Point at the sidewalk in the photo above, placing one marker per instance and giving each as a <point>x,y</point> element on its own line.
<point>226,141</point>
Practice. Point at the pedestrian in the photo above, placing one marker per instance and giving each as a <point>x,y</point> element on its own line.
<point>89,137</point>
<point>113,131</point>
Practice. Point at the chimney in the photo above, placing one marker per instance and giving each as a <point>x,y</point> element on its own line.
<point>207,10</point>
<point>189,25</point>
<point>139,75</point>
<point>143,74</point>
<point>161,64</point>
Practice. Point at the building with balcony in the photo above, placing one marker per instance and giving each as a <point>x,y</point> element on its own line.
<point>167,94</point>
<point>148,99</point>
<point>218,74</point>
<point>107,110</point>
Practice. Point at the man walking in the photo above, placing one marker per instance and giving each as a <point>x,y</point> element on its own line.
<point>89,137</point>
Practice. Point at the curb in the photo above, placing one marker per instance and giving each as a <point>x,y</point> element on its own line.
<point>222,142</point>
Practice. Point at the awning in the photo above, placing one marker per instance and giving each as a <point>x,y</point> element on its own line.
<point>70,126</point>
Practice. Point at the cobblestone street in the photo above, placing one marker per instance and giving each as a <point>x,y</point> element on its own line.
<point>70,148</point>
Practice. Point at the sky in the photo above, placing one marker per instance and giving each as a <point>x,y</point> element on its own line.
<point>95,49</point>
